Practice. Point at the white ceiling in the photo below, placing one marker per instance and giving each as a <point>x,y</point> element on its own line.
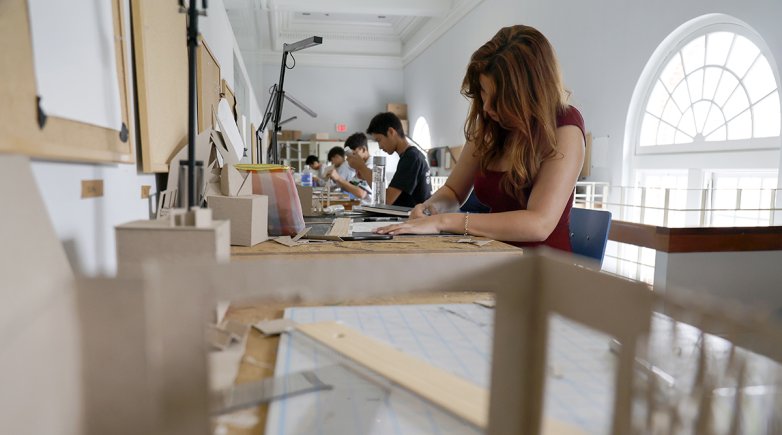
<point>356,33</point>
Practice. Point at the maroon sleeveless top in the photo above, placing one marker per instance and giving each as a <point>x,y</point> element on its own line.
<point>489,191</point>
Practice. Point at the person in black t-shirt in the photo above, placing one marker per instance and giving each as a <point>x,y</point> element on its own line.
<point>410,185</point>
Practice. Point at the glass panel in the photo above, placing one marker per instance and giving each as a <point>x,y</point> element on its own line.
<point>695,84</point>
<point>694,54</point>
<point>713,120</point>
<point>680,137</point>
<point>657,99</point>
<point>759,80</point>
<point>665,134</point>
<point>701,109</point>
<point>717,47</point>
<point>673,72</point>
<point>649,130</point>
<point>682,96</point>
<point>710,80</point>
<point>740,127</point>
<point>583,402</point>
<point>671,114</point>
<point>727,84</point>
<point>767,117</point>
<point>736,104</point>
<point>687,124</point>
<point>742,55</point>
<point>720,134</point>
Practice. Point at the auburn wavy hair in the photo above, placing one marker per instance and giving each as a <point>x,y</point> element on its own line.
<point>528,96</point>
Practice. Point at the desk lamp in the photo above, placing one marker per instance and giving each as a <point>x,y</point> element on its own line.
<point>274,106</point>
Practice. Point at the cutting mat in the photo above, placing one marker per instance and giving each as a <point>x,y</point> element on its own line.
<point>456,338</point>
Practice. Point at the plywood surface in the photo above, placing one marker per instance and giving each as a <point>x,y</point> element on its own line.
<point>159,34</point>
<point>59,139</point>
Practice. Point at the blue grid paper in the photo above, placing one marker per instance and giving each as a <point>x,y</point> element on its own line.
<point>454,337</point>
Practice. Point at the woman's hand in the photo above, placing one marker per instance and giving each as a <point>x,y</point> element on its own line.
<point>421,211</point>
<point>424,225</point>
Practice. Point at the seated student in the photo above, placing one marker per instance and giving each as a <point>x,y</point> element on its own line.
<point>315,168</point>
<point>523,153</point>
<point>358,157</point>
<point>357,186</point>
<point>336,157</point>
<point>411,184</point>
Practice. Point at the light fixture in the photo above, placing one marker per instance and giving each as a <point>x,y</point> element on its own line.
<point>274,107</point>
<point>301,45</point>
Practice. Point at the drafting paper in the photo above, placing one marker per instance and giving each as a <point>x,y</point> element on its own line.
<point>233,139</point>
<point>75,62</point>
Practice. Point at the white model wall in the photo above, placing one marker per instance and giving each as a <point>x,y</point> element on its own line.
<point>350,96</point>
<point>86,226</point>
<point>602,46</point>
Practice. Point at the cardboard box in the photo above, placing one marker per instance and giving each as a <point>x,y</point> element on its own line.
<point>139,241</point>
<point>398,109</point>
<point>307,200</point>
<point>289,135</point>
<point>406,127</point>
<point>320,136</point>
<point>249,216</point>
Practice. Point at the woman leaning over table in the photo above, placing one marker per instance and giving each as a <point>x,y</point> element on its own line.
<point>523,153</point>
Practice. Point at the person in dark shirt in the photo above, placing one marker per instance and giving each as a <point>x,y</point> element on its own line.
<point>411,184</point>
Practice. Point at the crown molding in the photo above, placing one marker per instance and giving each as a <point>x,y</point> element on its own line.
<point>332,60</point>
<point>434,29</point>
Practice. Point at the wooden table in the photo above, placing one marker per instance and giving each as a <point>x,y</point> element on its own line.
<point>738,263</point>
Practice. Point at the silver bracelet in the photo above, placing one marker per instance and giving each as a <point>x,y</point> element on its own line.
<point>466,223</point>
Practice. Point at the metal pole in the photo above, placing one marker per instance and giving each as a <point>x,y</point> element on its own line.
<point>192,44</point>
<point>278,110</point>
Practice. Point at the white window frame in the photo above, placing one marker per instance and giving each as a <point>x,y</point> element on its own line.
<point>670,47</point>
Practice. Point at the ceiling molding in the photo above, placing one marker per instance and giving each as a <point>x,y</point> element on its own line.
<point>332,60</point>
<point>420,8</point>
<point>434,29</point>
<point>356,33</point>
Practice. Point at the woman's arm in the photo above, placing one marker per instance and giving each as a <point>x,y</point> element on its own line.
<point>456,188</point>
<point>552,189</point>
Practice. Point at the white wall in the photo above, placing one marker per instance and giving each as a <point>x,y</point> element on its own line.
<point>338,95</point>
<point>86,226</point>
<point>602,46</point>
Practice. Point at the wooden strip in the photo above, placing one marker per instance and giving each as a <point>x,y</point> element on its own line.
<point>460,397</point>
<point>452,393</point>
<point>340,227</point>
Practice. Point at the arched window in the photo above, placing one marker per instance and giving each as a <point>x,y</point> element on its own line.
<point>421,133</point>
<point>716,85</point>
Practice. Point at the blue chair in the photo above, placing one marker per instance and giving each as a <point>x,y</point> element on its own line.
<point>474,205</point>
<point>589,232</point>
